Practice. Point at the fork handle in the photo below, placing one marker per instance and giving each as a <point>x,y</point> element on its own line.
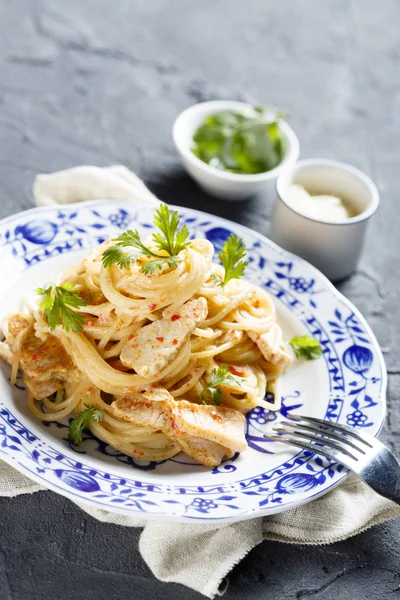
<point>383,475</point>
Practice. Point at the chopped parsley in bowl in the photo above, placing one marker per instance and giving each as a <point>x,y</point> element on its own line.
<point>232,149</point>
<point>246,143</point>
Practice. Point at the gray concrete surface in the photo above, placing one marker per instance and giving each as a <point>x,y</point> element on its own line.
<point>94,81</point>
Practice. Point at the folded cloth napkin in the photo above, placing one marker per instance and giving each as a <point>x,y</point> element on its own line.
<point>200,556</point>
<point>91,183</point>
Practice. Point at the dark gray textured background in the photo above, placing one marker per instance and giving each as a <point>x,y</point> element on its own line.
<point>99,82</point>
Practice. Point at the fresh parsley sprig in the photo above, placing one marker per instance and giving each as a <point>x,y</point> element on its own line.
<point>174,241</point>
<point>305,346</point>
<point>218,377</point>
<point>58,304</point>
<point>238,142</point>
<point>81,421</point>
<point>231,255</point>
<point>118,254</point>
<point>129,247</point>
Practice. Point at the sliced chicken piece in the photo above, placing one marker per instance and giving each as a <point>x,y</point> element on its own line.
<point>204,451</point>
<point>153,346</point>
<point>156,393</point>
<point>219,424</point>
<point>13,328</point>
<point>42,389</point>
<point>206,433</point>
<point>196,310</point>
<point>272,346</point>
<point>15,324</point>
<point>45,363</point>
<point>160,415</point>
<point>44,359</point>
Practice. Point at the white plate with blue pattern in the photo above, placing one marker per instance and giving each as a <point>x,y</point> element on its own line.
<point>347,385</point>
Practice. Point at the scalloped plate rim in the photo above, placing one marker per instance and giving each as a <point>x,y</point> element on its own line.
<point>261,511</point>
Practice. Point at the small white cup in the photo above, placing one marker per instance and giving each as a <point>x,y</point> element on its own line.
<point>334,248</point>
<point>222,184</point>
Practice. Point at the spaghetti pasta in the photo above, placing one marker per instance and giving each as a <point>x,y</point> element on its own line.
<point>199,326</point>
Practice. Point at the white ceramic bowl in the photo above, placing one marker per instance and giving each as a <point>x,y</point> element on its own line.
<point>222,184</point>
<point>334,248</point>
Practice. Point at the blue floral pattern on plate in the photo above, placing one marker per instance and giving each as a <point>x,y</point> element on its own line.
<point>95,473</point>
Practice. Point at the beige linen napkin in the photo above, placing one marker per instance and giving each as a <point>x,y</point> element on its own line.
<point>200,556</point>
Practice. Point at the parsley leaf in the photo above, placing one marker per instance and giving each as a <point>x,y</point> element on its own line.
<point>241,143</point>
<point>173,241</point>
<point>56,303</point>
<point>306,346</point>
<point>231,256</point>
<point>218,377</point>
<point>81,422</point>
<point>129,239</point>
<point>152,265</point>
<point>129,247</point>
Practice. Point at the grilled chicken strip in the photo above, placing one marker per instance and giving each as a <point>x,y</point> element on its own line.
<point>45,363</point>
<point>153,346</point>
<point>204,432</point>
<point>271,346</point>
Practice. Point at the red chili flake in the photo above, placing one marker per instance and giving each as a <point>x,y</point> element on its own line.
<point>131,337</point>
<point>175,341</point>
<point>36,355</point>
<point>235,371</point>
<point>216,416</point>
<point>152,307</point>
<point>256,304</point>
<point>160,339</point>
<point>175,317</point>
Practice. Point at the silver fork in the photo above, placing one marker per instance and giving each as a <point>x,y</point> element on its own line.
<point>364,455</point>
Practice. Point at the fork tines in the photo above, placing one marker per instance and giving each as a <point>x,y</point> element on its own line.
<point>320,436</point>
<point>323,425</point>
